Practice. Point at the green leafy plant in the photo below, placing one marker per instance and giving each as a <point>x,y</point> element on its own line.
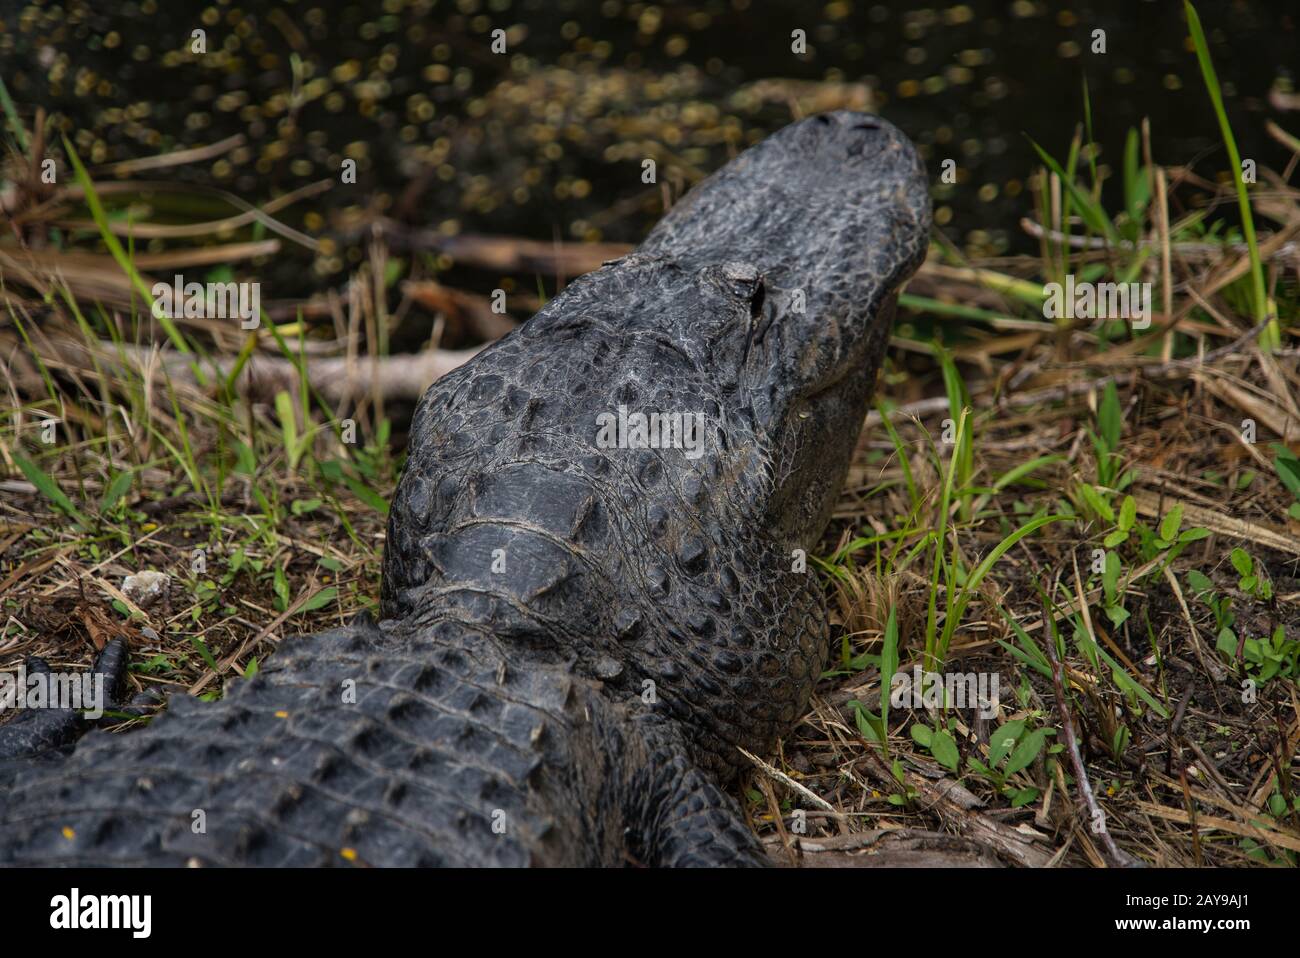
<point>875,728</point>
<point>1221,606</point>
<point>1166,542</point>
<point>1095,498</point>
<point>940,744</point>
<point>1114,605</point>
<point>1169,539</point>
<point>1262,659</point>
<point>1106,440</point>
<point>1265,659</point>
<point>1123,524</point>
<point>963,453</point>
<point>50,489</point>
<point>1173,538</point>
<point>1287,466</point>
<point>1011,749</point>
<point>1119,742</point>
<point>1254,580</point>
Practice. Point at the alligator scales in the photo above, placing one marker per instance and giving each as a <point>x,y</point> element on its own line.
<point>583,623</point>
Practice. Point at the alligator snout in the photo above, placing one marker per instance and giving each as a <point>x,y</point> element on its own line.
<point>858,130</point>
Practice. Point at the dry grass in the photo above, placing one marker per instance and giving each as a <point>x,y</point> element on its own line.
<point>1214,757</point>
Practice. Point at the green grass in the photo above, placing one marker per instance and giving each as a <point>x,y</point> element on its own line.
<point>1259,298</point>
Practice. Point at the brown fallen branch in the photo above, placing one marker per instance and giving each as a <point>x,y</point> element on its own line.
<point>1260,407</point>
<point>1260,829</point>
<point>337,379</point>
<point>89,276</point>
<point>1200,251</point>
<point>895,848</point>
<point>505,254</point>
<point>472,311</point>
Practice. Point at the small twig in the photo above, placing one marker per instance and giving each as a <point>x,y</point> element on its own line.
<point>775,808</point>
<point>1096,816</point>
<point>197,154</point>
<point>1191,817</point>
<point>1189,250</point>
<point>786,780</point>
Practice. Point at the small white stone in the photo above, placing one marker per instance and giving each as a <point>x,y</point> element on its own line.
<point>146,588</point>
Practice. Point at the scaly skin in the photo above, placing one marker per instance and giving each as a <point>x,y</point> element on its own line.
<point>579,638</point>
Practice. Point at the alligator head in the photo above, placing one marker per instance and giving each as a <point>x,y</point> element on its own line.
<point>820,223</point>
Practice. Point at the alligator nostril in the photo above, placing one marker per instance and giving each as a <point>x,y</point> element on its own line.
<point>867,123</point>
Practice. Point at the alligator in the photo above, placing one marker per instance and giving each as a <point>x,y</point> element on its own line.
<point>594,591</point>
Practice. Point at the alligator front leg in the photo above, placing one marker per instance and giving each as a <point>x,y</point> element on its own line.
<point>677,817</point>
<point>35,731</point>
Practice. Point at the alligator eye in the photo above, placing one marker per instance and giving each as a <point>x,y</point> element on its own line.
<point>742,278</point>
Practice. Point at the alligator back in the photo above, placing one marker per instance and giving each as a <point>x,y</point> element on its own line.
<point>648,567</point>
<point>356,746</point>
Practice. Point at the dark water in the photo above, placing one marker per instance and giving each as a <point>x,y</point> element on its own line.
<point>547,140</point>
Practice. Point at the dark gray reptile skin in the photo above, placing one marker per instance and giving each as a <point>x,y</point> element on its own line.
<point>578,638</point>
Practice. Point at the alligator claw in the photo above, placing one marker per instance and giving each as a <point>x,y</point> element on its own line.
<point>143,705</point>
